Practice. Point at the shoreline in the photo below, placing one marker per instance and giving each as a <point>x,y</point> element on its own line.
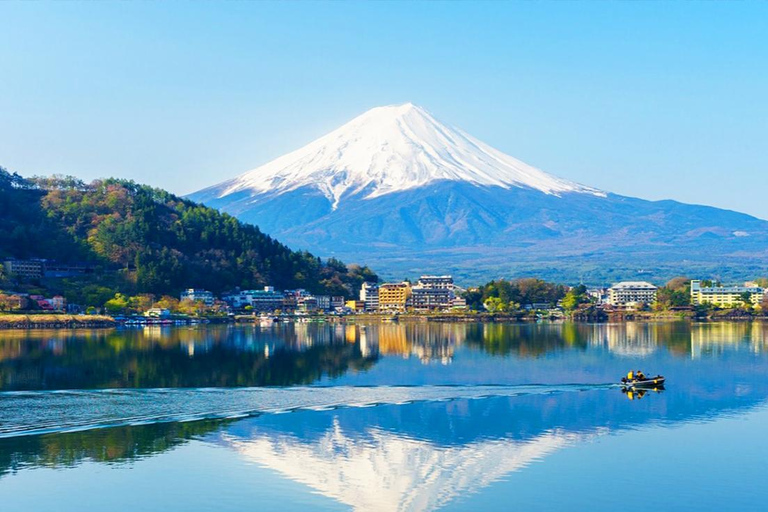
<point>33,322</point>
<point>47,321</point>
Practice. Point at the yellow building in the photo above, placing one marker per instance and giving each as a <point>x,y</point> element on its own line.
<point>394,297</point>
<point>724,296</point>
<point>355,305</point>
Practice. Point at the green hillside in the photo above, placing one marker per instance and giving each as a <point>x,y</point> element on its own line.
<point>145,240</point>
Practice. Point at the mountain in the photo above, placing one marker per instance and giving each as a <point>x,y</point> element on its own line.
<point>145,240</point>
<point>402,191</point>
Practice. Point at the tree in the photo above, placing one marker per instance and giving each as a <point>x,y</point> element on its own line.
<point>496,305</point>
<point>167,302</point>
<point>116,305</point>
<point>679,284</point>
<point>142,302</point>
<point>764,304</point>
<point>192,307</point>
<point>571,301</point>
<point>746,299</point>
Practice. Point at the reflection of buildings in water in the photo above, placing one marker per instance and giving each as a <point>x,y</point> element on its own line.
<point>380,470</point>
<point>719,337</point>
<point>154,332</point>
<point>428,342</point>
<point>633,339</point>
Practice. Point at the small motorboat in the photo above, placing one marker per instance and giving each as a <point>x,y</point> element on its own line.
<point>647,382</point>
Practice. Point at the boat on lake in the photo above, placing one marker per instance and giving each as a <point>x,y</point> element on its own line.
<point>645,382</point>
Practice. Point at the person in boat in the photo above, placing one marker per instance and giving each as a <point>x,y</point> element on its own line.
<point>639,375</point>
<point>630,375</point>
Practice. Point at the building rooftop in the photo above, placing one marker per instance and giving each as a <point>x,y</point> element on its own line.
<point>634,284</point>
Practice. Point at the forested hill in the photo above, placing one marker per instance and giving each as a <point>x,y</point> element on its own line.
<point>159,243</point>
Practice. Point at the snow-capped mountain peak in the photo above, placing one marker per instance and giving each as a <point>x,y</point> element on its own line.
<point>392,149</point>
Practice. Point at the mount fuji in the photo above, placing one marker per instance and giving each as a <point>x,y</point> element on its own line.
<point>398,189</point>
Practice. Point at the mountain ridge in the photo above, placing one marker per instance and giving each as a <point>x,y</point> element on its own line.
<point>415,213</point>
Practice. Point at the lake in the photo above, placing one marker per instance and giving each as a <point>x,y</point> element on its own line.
<point>402,416</point>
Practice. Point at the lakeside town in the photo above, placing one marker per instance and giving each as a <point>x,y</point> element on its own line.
<point>431,296</point>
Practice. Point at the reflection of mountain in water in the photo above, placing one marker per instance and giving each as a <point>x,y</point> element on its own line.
<point>421,456</point>
<point>391,472</point>
<point>413,456</point>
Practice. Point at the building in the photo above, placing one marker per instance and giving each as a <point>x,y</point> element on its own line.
<point>433,293</point>
<point>263,300</point>
<point>355,305</point>
<point>55,269</point>
<point>394,297</point>
<point>369,294</point>
<point>725,296</point>
<point>337,302</point>
<point>195,295</point>
<point>436,282</point>
<point>58,303</point>
<point>307,303</point>
<point>157,313</point>
<point>628,293</point>
<point>431,299</point>
<point>292,298</point>
<point>459,303</point>
<point>25,269</point>
<point>323,302</point>
<point>598,295</point>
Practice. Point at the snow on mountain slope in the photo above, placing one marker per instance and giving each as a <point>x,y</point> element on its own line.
<point>392,149</point>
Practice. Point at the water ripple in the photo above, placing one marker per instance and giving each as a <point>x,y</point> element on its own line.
<point>25,413</point>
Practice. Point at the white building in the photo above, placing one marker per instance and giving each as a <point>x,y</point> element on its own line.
<point>433,293</point>
<point>369,294</point>
<point>436,282</point>
<point>195,295</point>
<point>628,293</point>
<point>260,300</point>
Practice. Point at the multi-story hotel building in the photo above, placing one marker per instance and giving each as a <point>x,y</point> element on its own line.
<point>25,269</point>
<point>724,296</point>
<point>394,297</point>
<point>631,292</point>
<point>369,294</point>
<point>433,292</point>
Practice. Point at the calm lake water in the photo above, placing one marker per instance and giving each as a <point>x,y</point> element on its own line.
<point>384,417</point>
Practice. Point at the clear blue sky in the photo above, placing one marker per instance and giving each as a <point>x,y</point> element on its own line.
<point>650,99</point>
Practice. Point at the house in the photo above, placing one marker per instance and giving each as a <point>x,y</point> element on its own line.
<point>630,293</point>
<point>725,296</point>
<point>157,313</point>
<point>58,303</point>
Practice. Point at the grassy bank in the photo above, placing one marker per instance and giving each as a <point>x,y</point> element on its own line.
<point>43,321</point>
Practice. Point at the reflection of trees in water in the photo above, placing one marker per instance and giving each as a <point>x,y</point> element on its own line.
<point>109,445</point>
<point>218,357</point>
<point>302,353</point>
<point>527,340</point>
